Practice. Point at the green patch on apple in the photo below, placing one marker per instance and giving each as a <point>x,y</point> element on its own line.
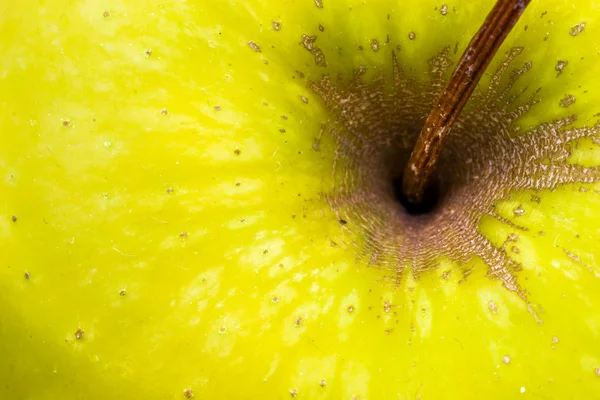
<point>197,199</point>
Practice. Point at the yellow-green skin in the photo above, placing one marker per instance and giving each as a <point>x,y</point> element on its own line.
<point>130,226</point>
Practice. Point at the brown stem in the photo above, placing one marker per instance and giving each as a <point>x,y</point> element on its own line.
<point>455,95</point>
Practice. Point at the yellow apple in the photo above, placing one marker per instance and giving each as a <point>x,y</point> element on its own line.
<point>196,200</point>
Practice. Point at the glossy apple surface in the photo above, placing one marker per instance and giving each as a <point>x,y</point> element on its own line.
<point>164,235</point>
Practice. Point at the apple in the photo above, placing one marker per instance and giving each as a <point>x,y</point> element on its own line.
<point>199,200</point>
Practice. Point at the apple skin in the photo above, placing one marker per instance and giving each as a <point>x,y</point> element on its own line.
<point>126,127</point>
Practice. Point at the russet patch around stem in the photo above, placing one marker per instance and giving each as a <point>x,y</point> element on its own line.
<point>486,158</point>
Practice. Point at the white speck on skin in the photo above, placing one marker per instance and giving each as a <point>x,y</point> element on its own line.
<point>519,211</point>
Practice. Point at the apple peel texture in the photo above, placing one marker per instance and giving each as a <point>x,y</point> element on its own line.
<point>486,159</point>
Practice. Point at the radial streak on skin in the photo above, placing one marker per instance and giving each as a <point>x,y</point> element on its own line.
<point>375,131</point>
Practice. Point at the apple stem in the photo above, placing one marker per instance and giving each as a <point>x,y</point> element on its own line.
<point>456,93</point>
